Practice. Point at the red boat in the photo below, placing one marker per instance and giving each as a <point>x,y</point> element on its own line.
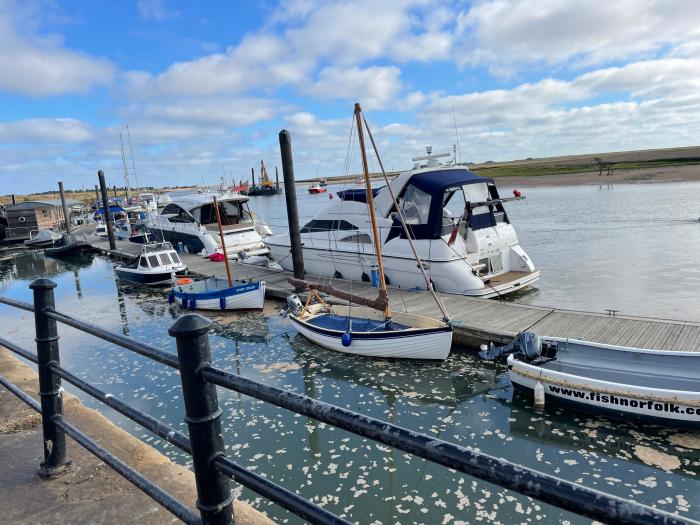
<point>317,189</point>
<point>241,187</point>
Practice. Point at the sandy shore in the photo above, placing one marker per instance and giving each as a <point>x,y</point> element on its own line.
<point>651,175</point>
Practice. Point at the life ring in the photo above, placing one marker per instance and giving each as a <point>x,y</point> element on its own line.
<point>184,280</point>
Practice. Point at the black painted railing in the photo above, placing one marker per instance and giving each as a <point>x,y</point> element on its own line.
<point>213,470</point>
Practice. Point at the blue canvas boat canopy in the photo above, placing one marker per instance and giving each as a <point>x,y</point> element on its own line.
<point>427,191</point>
<point>112,210</point>
<point>356,194</point>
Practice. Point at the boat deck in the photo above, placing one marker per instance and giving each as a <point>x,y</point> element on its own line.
<point>476,320</point>
<point>509,277</point>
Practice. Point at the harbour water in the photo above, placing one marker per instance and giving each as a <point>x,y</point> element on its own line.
<point>462,400</point>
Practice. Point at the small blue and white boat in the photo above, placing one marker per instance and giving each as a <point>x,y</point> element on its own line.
<point>157,264</point>
<point>215,293</point>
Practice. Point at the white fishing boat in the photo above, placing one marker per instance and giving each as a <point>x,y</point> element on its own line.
<point>190,221</point>
<point>659,386</point>
<point>456,219</point>
<point>157,264</point>
<point>370,329</point>
<point>42,239</point>
<point>220,294</point>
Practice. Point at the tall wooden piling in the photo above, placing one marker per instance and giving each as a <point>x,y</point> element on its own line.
<point>290,196</point>
<point>66,217</point>
<point>105,207</point>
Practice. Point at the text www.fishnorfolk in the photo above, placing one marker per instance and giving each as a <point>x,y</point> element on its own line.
<point>623,401</point>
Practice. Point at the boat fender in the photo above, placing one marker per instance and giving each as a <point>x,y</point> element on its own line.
<point>193,303</point>
<point>346,339</point>
<point>171,298</point>
<point>183,280</point>
<point>222,303</point>
<point>539,395</point>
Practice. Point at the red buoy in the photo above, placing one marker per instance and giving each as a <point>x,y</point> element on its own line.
<point>517,193</point>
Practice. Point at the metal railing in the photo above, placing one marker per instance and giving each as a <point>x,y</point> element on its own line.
<point>213,471</point>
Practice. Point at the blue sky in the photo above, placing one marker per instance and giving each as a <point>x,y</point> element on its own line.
<point>206,86</point>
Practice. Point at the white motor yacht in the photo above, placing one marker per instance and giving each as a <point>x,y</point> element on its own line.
<point>461,229</point>
<point>190,220</point>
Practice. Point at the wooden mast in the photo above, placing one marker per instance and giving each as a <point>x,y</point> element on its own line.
<point>223,242</point>
<point>370,205</point>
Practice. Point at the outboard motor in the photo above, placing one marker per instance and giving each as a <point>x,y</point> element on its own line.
<point>525,343</point>
<point>293,307</point>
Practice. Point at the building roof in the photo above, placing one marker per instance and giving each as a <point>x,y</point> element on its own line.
<point>29,205</point>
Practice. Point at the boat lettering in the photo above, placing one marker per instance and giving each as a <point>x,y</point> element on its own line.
<point>623,401</point>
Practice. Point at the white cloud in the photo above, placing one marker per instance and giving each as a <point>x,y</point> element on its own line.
<point>523,32</point>
<point>374,86</point>
<point>39,65</point>
<point>45,131</point>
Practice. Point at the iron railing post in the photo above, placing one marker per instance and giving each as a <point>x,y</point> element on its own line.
<point>55,462</point>
<point>203,418</point>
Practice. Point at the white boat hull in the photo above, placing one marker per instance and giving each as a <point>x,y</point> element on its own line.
<point>593,395</point>
<point>431,341</point>
<point>247,296</point>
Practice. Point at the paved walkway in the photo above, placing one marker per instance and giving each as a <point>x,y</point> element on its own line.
<point>92,492</point>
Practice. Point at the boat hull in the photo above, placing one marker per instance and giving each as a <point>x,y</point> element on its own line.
<point>241,296</point>
<point>147,279</point>
<point>422,342</point>
<point>674,407</point>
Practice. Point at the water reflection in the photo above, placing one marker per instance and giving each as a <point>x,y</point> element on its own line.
<point>462,400</point>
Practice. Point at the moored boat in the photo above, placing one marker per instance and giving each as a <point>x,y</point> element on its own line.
<point>659,386</point>
<point>316,188</point>
<point>42,239</point>
<point>215,293</point>
<point>157,264</point>
<point>372,329</point>
<point>68,246</point>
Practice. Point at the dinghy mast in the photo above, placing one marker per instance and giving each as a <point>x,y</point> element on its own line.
<point>223,242</point>
<point>428,281</point>
<point>370,205</point>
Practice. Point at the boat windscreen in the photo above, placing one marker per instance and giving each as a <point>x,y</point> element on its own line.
<point>229,211</point>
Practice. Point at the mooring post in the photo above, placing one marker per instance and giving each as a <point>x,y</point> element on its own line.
<point>13,199</point>
<point>105,207</point>
<point>277,178</point>
<point>55,463</point>
<point>290,196</point>
<point>203,418</point>
<point>252,175</point>
<point>66,218</point>
<point>97,197</point>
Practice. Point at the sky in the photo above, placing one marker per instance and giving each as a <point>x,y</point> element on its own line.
<point>205,87</point>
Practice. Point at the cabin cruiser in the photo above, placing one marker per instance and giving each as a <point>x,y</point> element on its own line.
<point>190,221</point>
<point>461,229</point>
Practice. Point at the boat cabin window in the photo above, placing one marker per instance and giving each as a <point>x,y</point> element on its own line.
<point>321,225</point>
<point>153,260</point>
<point>176,214</point>
<point>230,212</point>
<point>143,263</point>
<point>174,257</point>
<point>415,205</point>
<point>361,238</point>
<point>456,202</point>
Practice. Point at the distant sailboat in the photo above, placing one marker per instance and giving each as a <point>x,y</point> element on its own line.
<point>370,329</point>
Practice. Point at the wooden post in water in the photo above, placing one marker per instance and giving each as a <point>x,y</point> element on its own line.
<point>290,196</point>
<point>223,242</point>
<point>105,206</point>
<point>66,218</point>
<point>252,174</point>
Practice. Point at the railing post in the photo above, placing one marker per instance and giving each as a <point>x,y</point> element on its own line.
<point>55,462</point>
<point>203,418</point>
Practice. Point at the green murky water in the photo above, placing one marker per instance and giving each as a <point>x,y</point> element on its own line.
<point>462,400</point>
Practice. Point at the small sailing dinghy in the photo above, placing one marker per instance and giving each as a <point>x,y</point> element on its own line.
<point>370,329</point>
<point>157,264</point>
<point>68,246</point>
<point>43,239</point>
<point>659,386</point>
<point>215,293</point>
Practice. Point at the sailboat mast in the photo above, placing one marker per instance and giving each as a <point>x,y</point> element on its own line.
<point>133,163</point>
<point>370,205</point>
<point>223,242</point>
<point>126,170</point>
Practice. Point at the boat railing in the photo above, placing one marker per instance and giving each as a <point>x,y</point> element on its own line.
<point>213,470</point>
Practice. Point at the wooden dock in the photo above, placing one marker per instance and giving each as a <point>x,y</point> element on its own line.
<point>476,320</point>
